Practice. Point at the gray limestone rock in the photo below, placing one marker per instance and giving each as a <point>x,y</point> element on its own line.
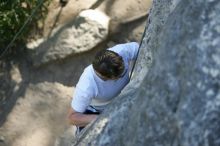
<point>176,102</point>
<point>88,29</point>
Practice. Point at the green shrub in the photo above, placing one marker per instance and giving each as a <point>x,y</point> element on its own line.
<point>14,13</point>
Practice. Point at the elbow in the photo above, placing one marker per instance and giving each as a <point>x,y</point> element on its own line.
<point>72,120</point>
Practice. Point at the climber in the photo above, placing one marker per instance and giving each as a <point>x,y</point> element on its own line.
<point>100,82</point>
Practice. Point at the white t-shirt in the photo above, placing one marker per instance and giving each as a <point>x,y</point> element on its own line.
<point>92,90</point>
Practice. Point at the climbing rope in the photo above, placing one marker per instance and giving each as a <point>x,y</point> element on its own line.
<point>22,28</point>
<point>138,51</point>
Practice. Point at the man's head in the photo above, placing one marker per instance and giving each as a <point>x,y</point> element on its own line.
<point>108,64</point>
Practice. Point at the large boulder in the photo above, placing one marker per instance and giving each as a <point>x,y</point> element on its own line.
<point>176,102</point>
<point>58,14</point>
<point>88,30</point>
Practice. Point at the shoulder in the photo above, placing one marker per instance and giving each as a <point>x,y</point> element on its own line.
<point>127,50</point>
<point>86,81</point>
<point>120,47</point>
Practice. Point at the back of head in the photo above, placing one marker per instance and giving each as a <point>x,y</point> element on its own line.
<point>108,63</point>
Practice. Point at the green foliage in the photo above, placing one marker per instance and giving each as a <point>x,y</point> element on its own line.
<point>14,13</point>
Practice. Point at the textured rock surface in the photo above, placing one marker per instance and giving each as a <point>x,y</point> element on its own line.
<point>46,101</point>
<point>178,100</point>
<point>88,29</point>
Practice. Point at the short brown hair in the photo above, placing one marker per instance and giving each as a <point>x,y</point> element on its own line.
<point>108,63</point>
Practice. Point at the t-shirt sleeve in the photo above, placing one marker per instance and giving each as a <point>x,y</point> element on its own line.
<point>83,94</point>
<point>130,50</point>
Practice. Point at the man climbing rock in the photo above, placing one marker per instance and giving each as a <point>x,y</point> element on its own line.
<point>100,82</point>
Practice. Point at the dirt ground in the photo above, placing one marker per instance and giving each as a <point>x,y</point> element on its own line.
<point>43,95</point>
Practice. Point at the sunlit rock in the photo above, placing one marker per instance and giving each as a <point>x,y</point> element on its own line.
<point>88,30</point>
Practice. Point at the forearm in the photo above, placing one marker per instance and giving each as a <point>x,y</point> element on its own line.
<point>80,119</point>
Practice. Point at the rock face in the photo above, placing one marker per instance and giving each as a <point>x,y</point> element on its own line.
<point>88,29</point>
<point>177,102</point>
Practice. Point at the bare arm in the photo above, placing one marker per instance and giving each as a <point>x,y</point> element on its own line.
<point>80,119</point>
